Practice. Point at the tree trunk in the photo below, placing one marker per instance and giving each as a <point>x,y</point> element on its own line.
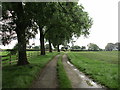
<point>20,31</point>
<point>42,41</point>
<point>50,47</point>
<point>58,48</point>
<point>22,57</point>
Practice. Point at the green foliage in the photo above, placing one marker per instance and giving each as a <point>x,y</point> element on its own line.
<point>109,47</point>
<point>112,46</point>
<point>10,19</point>
<point>7,32</point>
<point>58,21</point>
<point>16,20</point>
<point>83,48</point>
<point>68,20</point>
<point>65,15</point>
<point>41,12</point>
<point>92,46</point>
<point>101,66</point>
<point>63,79</point>
<point>75,47</point>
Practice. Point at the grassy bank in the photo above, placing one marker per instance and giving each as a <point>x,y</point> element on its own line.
<point>22,76</point>
<point>63,80</point>
<point>101,66</point>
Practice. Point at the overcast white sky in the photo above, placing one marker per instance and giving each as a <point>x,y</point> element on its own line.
<point>105,23</point>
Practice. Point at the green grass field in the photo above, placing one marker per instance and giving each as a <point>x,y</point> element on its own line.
<point>63,79</point>
<point>101,66</point>
<point>22,76</point>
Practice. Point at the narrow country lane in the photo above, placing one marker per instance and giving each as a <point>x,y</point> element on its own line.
<point>77,78</point>
<point>48,76</point>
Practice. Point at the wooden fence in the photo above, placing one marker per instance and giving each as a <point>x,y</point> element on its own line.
<point>9,58</point>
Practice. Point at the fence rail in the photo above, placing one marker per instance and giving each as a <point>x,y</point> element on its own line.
<point>9,58</point>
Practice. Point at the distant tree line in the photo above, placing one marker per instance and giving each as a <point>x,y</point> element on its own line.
<point>94,47</point>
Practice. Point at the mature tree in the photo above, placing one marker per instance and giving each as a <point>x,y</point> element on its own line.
<point>15,23</point>
<point>79,20</point>
<point>59,17</point>
<point>18,23</point>
<point>83,48</point>
<point>92,46</point>
<point>111,46</point>
<point>75,47</point>
<point>48,38</point>
<point>57,34</point>
<point>41,13</point>
<point>117,45</point>
<point>58,38</point>
<point>68,23</point>
<point>56,28</point>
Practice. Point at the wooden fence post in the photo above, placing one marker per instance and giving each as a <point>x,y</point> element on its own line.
<point>28,54</point>
<point>38,53</point>
<point>31,54</point>
<point>10,57</point>
<point>17,56</point>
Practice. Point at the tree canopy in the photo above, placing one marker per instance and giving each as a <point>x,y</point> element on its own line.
<point>112,46</point>
<point>75,47</point>
<point>92,46</point>
<point>69,20</point>
<point>58,22</point>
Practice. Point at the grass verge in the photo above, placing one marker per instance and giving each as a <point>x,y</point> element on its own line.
<point>100,66</point>
<point>63,79</point>
<point>22,76</point>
